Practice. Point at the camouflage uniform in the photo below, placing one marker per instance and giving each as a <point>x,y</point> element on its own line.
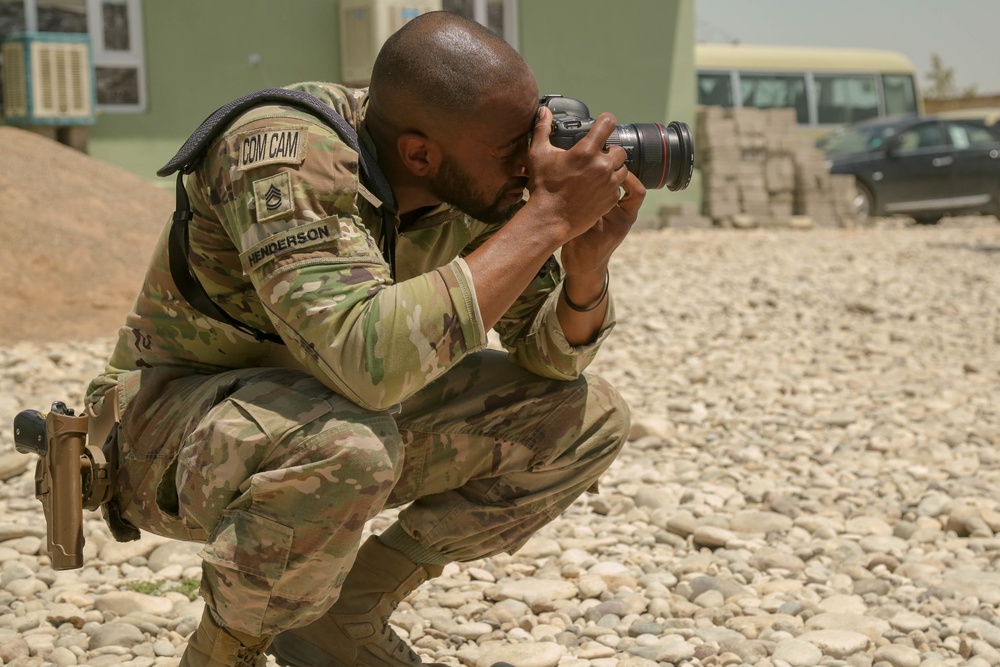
<point>384,396</point>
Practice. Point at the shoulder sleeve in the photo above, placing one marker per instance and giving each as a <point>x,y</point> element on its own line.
<point>286,191</point>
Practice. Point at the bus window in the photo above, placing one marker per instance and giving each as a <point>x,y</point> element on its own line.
<point>899,93</point>
<point>715,90</point>
<point>842,98</point>
<point>771,91</point>
<point>827,87</point>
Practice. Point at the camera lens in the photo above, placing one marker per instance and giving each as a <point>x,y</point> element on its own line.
<point>658,156</point>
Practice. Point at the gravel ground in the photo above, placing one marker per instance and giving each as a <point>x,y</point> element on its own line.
<point>812,479</point>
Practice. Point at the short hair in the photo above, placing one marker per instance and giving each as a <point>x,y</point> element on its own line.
<point>440,63</point>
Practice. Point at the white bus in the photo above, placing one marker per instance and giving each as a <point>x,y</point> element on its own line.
<point>827,87</point>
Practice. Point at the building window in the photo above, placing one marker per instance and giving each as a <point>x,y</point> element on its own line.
<point>60,15</point>
<point>500,16</point>
<point>118,86</point>
<point>115,29</point>
<point>120,73</point>
<point>11,17</point>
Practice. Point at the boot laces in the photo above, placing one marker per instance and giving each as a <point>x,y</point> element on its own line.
<point>248,656</point>
<point>400,646</point>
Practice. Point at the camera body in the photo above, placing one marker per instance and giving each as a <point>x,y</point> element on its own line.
<point>570,120</point>
<point>659,156</point>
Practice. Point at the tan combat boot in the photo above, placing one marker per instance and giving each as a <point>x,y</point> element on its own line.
<point>212,645</point>
<point>355,631</point>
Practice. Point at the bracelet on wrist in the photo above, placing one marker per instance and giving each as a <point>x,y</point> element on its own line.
<point>599,301</point>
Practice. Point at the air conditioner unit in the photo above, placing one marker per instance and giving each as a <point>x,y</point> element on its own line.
<point>364,27</point>
<point>48,79</point>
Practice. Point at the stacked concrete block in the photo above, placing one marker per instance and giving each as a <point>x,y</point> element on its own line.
<point>718,156</point>
<point>683,215</point>
<point>758,169</point>
<point>779,176</point>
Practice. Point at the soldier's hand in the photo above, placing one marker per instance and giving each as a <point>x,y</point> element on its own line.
<point>589,253</point>
<point>578,186</point>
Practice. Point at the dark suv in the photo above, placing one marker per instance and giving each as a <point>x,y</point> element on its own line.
<point>922,166</point>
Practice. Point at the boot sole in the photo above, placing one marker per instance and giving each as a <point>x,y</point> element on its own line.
<point>294,652</point>
<point>300,653</point>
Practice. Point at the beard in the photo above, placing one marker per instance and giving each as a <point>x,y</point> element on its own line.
<point>456,188</point>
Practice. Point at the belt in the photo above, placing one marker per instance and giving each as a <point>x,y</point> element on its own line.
<point>102,426</point>
<point>102,420</point>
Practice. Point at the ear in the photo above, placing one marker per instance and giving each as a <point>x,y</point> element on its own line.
<point>419,154</point>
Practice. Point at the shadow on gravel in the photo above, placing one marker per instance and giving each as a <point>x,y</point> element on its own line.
<point>979,247</point>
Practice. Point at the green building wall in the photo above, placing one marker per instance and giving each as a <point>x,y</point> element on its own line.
<point>198,57</point>
<point>634,58</point>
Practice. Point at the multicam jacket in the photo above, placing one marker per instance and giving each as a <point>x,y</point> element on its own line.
<point>284,241</point>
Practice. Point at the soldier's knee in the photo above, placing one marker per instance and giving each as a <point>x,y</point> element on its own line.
<point>366,457</point>
<point>609,412</point>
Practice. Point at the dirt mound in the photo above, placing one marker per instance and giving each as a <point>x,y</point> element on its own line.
<point>75,237</point>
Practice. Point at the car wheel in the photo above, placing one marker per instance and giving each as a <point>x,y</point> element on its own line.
<point>864,203</point>
<point>996,203</point>
<point>927,219</point>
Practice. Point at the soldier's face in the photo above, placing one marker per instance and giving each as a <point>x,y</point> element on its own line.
<point>458,187</point>
<point>483,172</point>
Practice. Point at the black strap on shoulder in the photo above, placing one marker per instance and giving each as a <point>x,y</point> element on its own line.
<point>188,283</point>
<point>193,150</point>
<point>196,145</point>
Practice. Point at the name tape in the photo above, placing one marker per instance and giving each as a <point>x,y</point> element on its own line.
<point>283,145</point>
<point>282,243</point>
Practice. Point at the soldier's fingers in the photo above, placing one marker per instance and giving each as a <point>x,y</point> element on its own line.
<point>599,132</point>
<point>635,193</point>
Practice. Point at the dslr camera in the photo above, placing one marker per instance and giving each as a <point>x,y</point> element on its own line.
<point>659,156</point>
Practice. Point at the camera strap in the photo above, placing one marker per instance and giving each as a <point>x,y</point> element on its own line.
<point>193,150</point>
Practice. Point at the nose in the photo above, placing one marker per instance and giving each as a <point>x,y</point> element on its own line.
<point>519,162</point>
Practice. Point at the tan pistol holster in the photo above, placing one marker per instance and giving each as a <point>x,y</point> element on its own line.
<point>76,468</point>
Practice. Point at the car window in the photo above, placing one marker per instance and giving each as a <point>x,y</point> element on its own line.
<point>926,135</point>
<point>853,141</point>
<point>959,136</point>
<point>859,140</point>
<point>968,134</point>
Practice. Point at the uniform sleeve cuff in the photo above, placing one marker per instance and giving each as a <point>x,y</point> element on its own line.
<point>463,296</point>
<point>553,331</point>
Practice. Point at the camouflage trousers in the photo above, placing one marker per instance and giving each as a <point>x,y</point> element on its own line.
<point>278,475</point>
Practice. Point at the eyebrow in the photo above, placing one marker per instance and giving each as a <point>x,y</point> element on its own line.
<point>515,140</point>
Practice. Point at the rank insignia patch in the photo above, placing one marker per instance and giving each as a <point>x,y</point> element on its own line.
<point>273,197</point>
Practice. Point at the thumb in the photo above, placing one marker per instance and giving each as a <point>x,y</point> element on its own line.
<point>543,126</point>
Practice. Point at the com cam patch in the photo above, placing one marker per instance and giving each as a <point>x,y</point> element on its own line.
<point>276,145</point>
<point>273,196</point>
